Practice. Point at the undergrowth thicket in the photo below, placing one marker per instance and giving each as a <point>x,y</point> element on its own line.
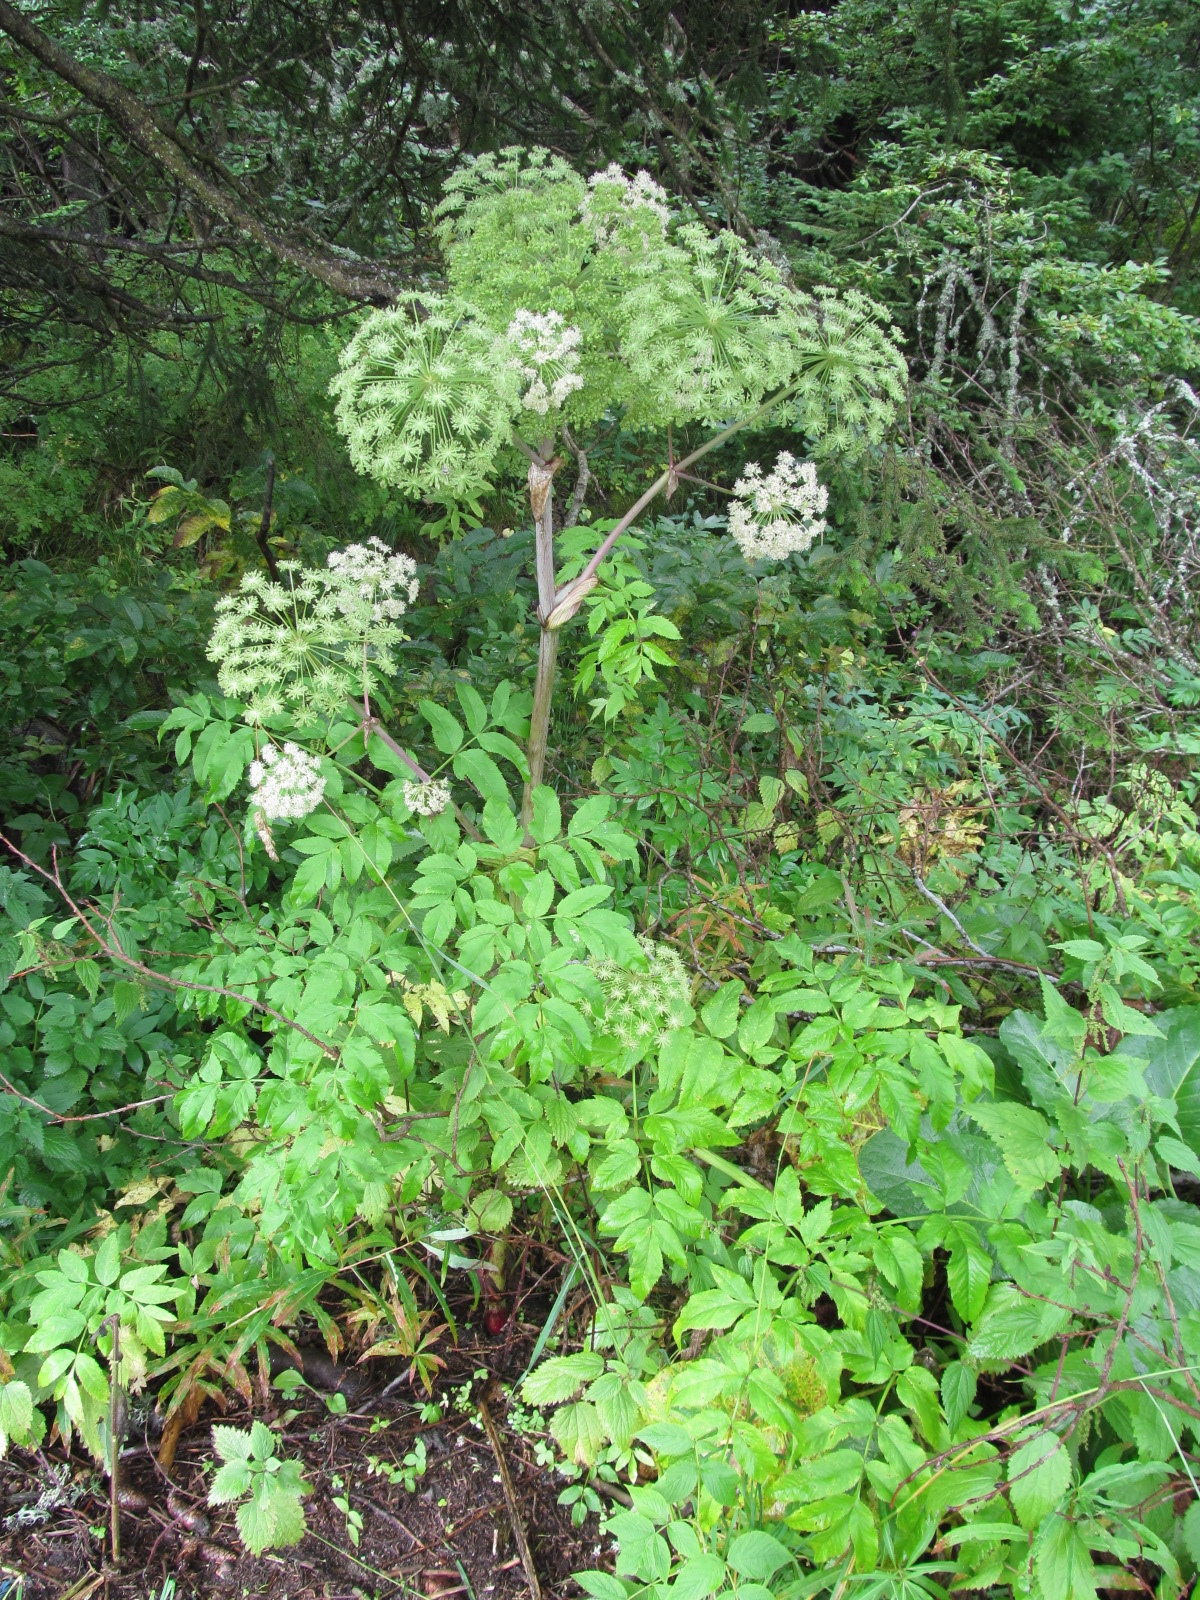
<point>802,950</point>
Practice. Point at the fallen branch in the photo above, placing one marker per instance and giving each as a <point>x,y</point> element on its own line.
<point>510,1495</point>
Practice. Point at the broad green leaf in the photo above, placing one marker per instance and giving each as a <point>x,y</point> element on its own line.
<point>601,1585</point>
<point>491,1211</point>
<point>1178,1155</point>
<point>757,1555</point>
<point>474,710</point>
<point>667,1439</point>
<point>480,770</point>
<point>1063,1563</point>
<point>1023,1136</point>
<point>720,1014</point>
<point>62,1328</point>
<point>1172,1067</point>
<point>958,1393</point>
<point>262,1441</point>
<point>642,1550</point>
<point>1039,1474</point>
<point>107,1265</point>
<point>836,1472</point>
<point>16,1412</point>
<point>561,1376</point>
<point>501,827</point>
<point>231,1444</point>
<point>1191,1531</point>
<point>579,1431</point>
<point>447,730</point>
<point>499,744</point>
<point>702,1575</point>
<point>1013,1324</point>
<point>547,815</point>
<point>969,1272</point>
<point>230,1482</point>
<point>581,901</point>
<point>618,1411</point>
<point>757,1025</point>
<point>91,1376</point>
<point>72,1266</point>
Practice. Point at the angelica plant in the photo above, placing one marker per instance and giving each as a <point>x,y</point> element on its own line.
<point>568,301</point>
<point>318,638</point>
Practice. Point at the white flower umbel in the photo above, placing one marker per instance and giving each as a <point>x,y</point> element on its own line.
<point>641,1008</point>
<point>426,799</point>
<point>546,354</point>
<point>286,784</point>
<point>778,515</point>
<point>613,199</point>
<point>370,584</point>
<point>315,639</point>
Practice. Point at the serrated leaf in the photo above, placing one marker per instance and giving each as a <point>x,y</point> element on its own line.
<point>479,769</point>
<point>702,1575</point>
<point>107,1265</point>
<point>561,1376</point>
<point>547,815</point>
<point>474,710</point>
<point>231,1444</point>
<point>1023,1137</point>
<point>1012,1325</point>
<point>757,1555</point>
<point>579,1431</point>
<point>969,1273</point>
<point>1039,1475</point>
<point>1063,1562</point>
<point>447,730</point>
<point>491,1211</point>
<point>720,1014</point>
<point>601,1585</point>
<point>958,1392</point>
<point>230,1482</point>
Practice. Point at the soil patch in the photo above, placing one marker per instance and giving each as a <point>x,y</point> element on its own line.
<point>450,1536</point>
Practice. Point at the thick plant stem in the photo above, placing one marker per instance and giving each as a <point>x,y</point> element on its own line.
<point>541,475</point>
<point>539,719</point>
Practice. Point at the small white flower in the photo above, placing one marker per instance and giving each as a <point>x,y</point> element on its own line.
<point>426,799</point>
<point>285,786</point>
<point>546,354</point>
<point>780,514</point>
<point>614,199</point>
<point>367,582</point>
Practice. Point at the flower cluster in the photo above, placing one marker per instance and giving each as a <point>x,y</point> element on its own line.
<point>426,799</point>
<point>547,358</point>
<point>780,514</point>
<point>641,1008</point>
<point>423,402</point>
<point>613,199</point>
<point>316,638</point>
<point>367,582</point>
<point>286,784</point>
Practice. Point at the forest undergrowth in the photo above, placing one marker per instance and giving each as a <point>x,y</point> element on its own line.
<point>598,791</point>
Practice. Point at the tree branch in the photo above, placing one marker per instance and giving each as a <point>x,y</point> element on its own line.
<point>168,148</point>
